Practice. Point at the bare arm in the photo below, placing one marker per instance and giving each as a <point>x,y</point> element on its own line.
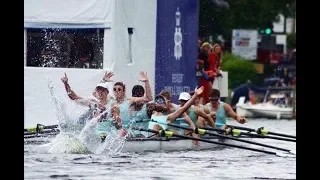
<point>206,109</point>
<point>202,114</point>
<point>186,106</point>
<point>72,95</point>
<point>155,107</point>
<point>188,120</point>
<point>232,114</point>
<point>148,94</point>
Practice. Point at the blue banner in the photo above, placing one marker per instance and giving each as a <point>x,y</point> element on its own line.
<point>176,46</point>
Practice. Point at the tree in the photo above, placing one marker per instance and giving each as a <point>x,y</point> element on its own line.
<point>245,14</point>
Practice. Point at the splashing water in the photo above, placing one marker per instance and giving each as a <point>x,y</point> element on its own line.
<point>74,137</point>
<point>73,140</point>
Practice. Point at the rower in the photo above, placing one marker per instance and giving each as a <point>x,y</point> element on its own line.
<point>139,111</point>
<point>221,109</point>
<point>194,112</point>
<point>167,95</point>
<point>125,103</point>
<point>165,116</point>
<point>98,103</point>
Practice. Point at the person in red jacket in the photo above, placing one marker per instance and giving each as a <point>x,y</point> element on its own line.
<point>215,62</point>
<point>205,66</point>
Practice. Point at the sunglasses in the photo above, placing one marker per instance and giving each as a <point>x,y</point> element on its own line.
<point>183,101</point>
<point>117,89</point>
<point>160,101</point>
<point>214,99</point>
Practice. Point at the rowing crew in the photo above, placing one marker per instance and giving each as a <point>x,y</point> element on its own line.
<point>119,113</point>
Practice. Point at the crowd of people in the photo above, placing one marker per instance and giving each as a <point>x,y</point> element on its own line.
<point>121,113</point>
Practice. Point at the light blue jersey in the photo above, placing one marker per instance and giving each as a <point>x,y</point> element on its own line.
<point>140,118</point>
<point>220,114</point>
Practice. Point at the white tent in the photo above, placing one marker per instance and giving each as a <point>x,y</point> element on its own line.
<point>115,16</point>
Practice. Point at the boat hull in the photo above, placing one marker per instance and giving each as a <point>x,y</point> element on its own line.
<point>150,145</point>
<point>264,111</point>
<point>156,144</point>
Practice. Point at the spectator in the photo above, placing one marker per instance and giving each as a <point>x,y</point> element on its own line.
<point>204,65</point>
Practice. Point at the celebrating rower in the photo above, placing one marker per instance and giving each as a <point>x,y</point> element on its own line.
<point>166,116</point>
<point>100,94</point>
<point>167,95</point>
<point>196,114</point>
<point>124,103</point>
<point>219,109</point>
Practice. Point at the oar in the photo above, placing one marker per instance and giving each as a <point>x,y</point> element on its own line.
<point>170,134</point>
<point>41,135</point>
<point>203,131</point>
<point>142,121</point>
<point>40,128</point>
<point>262,131</point>
<point>237,132</point>
<point>42,132</point>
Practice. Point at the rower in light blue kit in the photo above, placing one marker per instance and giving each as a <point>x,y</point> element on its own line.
<point>219,110</point>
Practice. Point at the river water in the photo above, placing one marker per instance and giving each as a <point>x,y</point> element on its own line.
<point>228,163</point>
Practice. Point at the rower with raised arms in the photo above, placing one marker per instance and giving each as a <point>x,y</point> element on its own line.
<point>101,103</point>
<point>195,112</point>
<point>170,117</point>
<point>125,103</point>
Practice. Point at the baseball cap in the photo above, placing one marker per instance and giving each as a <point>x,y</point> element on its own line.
<point>103,85</point>
<point>184,96</point>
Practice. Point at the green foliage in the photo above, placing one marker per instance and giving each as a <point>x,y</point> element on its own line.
<point>291,40</point>
<point>242,14</point>
<point>239,70</point>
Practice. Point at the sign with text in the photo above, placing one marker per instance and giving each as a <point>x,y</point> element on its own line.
<point>176,46</point>
<point>245,43</point>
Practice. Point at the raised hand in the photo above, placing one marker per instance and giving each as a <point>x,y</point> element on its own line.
<point>144,77</point>
<point>107,76</point>
<point>64,79</point>
<point>199,90</point>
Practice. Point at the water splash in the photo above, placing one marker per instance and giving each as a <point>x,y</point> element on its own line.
<point>74,137</point>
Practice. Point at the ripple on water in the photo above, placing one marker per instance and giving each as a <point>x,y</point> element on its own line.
<point>226,164</point>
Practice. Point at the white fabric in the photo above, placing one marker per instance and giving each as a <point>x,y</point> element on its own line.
<point>140,15</point>
<point>184,96</point>
<point>221,83</point>
<point>41,13</point>
<point>120,14</point>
